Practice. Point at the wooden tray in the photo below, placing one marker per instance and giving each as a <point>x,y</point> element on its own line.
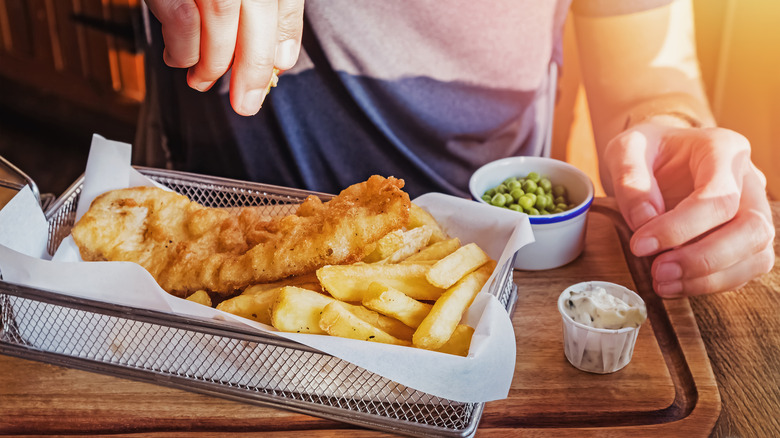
<point>668,387</point>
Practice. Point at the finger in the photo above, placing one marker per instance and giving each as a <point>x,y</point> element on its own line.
<point>728,279</point>
<point>219,26</point>
<point>290,31</point>
<point>629,159</point>
<point>738,240</point>
<point>180,22</point>
<point>705,265</point>
<point>254,59</point>
<point>714,201</point>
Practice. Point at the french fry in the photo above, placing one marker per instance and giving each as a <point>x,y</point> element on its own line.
<point>386,246</point>
<point>255,306</point>
<point>399,244</point>
<point>200,297</point>
<point>350,282</point>
<point>455,266</point>
<point>338,320</point>
<point>460,341</point>
<point>435,251</point>
<point>413,241</point>
<point>298,310</point>
<point>395,304</point>
<point>437,328</point>
<point>419,217</point>
<point>390,325</point>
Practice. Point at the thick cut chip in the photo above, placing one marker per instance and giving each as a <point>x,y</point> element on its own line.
<point>338,320</point>
<point>399,245</point>
<point>298,310</point>
<point>459,342</point>
<point>419,217</point>
<point>255,306</point>
<point>436,251</point>
<point>200,297</point>
<point>437,328</point>
<point>350,282</point>
<point>455,266</point>
<point>395,304</point>
<point>413,241</point>
<point>386,246</point>
<point>387,324</point>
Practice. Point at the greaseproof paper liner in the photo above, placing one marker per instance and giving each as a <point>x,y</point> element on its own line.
<point>484,375</point>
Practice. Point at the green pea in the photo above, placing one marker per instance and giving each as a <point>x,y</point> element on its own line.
<point>526,201</point>
<point>498,200</point>
<point>529,186</point>
<point>533,194</point>
<point>541,202</point>
<point>545,184</point>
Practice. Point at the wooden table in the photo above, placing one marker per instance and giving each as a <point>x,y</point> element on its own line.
<point>737,392</point>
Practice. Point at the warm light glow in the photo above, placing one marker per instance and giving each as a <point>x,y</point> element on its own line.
<point>670,54</point>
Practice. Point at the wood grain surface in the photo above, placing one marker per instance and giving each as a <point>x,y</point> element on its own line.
<point>658,393</point>
<point>741,331</point>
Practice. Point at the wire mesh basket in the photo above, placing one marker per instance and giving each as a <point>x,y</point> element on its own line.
<point>217,357</point>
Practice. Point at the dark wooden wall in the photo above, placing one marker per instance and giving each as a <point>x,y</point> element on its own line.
<point>84,51</point>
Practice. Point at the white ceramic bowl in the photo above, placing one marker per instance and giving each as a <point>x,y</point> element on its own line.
<point>559,237</point>
<point>598,350</point>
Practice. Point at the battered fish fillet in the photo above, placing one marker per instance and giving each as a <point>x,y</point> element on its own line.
<point>187,247</point>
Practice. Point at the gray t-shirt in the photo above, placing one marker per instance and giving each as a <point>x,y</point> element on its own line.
<point>426,91</point>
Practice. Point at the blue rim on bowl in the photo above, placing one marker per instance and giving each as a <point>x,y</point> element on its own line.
<point>560,217</point>
<point>579,209</point>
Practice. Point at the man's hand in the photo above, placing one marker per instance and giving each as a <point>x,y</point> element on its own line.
<point>694,199</point>
<point>209,37</point>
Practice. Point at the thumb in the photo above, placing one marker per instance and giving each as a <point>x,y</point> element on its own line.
<point>629,161</point>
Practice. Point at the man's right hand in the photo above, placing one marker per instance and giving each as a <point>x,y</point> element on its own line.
<point>209,37</point>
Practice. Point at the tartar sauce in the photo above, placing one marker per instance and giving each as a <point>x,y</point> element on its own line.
<point>596,308</point>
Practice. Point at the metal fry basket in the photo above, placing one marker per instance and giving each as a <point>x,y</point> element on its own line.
<point>215,357</point>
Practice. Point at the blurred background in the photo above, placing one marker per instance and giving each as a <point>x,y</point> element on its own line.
<point>71,68</point>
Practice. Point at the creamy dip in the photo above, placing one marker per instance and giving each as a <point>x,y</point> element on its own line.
<point>596,308</point>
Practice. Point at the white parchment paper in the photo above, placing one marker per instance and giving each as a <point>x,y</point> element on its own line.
<point>484,375</point>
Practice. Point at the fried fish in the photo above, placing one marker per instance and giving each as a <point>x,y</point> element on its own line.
<point>187,246</point>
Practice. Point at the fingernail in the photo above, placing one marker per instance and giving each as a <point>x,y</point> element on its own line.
<point>203,86</point>
<point>286,54</point>
<point>672,289</point>
<point>668,271</point>
<point>641,214</point>
<point>646,246</point>
<point>252,101</point>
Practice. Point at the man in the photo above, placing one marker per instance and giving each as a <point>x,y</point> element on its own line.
<point>430,90</point>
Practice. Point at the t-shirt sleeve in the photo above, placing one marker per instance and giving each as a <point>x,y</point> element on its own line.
<point>604,8</point>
